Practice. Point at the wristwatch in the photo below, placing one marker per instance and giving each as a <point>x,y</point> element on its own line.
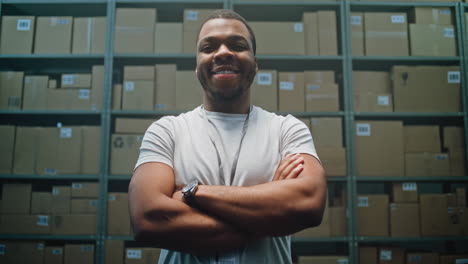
<point>189,190</point>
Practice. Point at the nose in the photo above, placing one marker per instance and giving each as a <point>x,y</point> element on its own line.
<point>223,54</point>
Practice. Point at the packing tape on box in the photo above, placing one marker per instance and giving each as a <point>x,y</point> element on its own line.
<point>133,29</point>
<point>89,33</point>
<point>374,34</point>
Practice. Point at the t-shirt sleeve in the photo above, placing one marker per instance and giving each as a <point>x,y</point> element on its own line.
<point>296,138</point>
<point>158,143</point>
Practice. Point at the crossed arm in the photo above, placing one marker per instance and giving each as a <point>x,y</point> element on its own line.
<point>226,217</point>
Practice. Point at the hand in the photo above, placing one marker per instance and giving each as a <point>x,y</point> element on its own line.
<point>177,195</point>
<point>289,168</point>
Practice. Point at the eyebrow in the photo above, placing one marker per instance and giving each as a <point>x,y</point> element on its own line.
<point>230,39</point>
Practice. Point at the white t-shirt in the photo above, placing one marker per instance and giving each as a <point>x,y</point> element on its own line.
<point>184,143</point>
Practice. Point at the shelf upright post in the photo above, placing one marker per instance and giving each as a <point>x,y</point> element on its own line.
<point>227,4</point>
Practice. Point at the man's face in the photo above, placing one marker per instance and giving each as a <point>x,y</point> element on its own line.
<point>226,65</point>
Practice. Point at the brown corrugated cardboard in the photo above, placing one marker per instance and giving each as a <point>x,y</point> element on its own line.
<point>328,44</point>
<point>432,40</point>
<point>376,82</point>
<point>371,138</point>
<point>76,80</point>
<point>165,86</point>
<point>271,37</point>
<point>373,102</point>
<point>139,73</point>
<point>124,153</point>
<point>69,99</point>
<point>17,34</point>
<point>24,161</point>
<point>114,251</point>
<point>426,88</point>
<point>193,19</point>
<point>7,134</point>
<point>23,252</point>
<point>404,220</point>
<point>357,34</point>
<point>323,230</point>
<point>422,138</point>
<point>25,224</point>
<point>189,92</point>
<point>333,159</point>
<point>264,90</point>
<point>318,77</point>
<point>322,259</point>
<point>132,125</point>
<point>461,197</point>
<point>452,259</point>
<point>306,121</point>
<point>16,198</point>
<point>432,15</point>
<point>118,217</point>
<point>338,221</point>
<point>75,254</point>
<point>422,258</point>
<point>322,97</point>
<point>11,90</point>
<point>84,190</point>
<point>138,255</point>
<point>76,224</point>
<point>457,221</point>
<point>138,95</point>
<point>405,192</point>
<point>90,149</point>
<point>386,34</point>
<point>434,217</point>
<point>53,35</point>
<point>311,34</point>
<point>373,215</point>
<point>97,87</point>
<point>117,97</point>
<point>327,131</point>
<point>52,84</point>
<point>53,255</point>
<point>291,92</point>
<point>41,203</point>
<point>83,206</point>
<point>368,255</point>
<point>35,92</point>
<point>61,199</point>
<point>427,164</point>
<point>453,137</point>
<point>89,35</point>
<point>168,37</point>
<point>391,255</point>
<point>134,30</point>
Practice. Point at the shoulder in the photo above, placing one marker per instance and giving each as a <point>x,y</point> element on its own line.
<point>171,122</point>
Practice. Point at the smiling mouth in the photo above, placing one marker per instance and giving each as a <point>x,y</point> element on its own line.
<point>225,72</point>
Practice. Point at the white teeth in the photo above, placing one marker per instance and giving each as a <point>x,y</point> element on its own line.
<point>225,72</point>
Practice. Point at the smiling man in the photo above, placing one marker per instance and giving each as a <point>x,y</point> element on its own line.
<point>226,182</point>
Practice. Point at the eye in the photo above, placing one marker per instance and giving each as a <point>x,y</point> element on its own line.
<point>207,48</point>
<point>239,47</point>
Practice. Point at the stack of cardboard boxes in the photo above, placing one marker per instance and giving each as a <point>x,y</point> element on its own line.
<point>118,216</point>
<point>395,255</point>
<point>372,91</point>
<point>322,260</point>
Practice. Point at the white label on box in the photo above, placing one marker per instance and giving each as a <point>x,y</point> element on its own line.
<point>77,186</point>
<point>264,78</point>
<point>53,21</point>
<point>461,261</point>
<point>27,79</point>
<point>449,33</point>
<point>66,132</point>
<point>129,86</point>
<point>398,19</point>
<point>192,15</point>
<point>363,201</point>
<point>383,100</point>
<point>342,261</point>
<point>63,21</point>
<point>386,255</point>
<point>2,249</point>
<point>453,77</point>
<point>84,94</point>
<point>57,251</point>
<point>111,198</point>
<point>363,129</point>
<point>68,79</point>
<point>298,27</point>
<point>287,86</point>
<point>393,206</point>
<point>441,157</point>
<point>55,191</point>
<point>409,186</point>
<point>23,24</point>
<point>133,253</point>
<point>42,220</point>
<point>445,12</point>
<point>59,124</point>
<point>313,87</point>
<point>40,246</point>
<point>93,203</point>
<point>50,171</point>
<point>356,20</point>
<point>86,248</point>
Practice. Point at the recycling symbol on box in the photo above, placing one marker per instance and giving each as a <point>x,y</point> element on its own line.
<point>118,142</point>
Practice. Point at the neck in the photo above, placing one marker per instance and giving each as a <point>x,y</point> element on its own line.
<point>235,107</point>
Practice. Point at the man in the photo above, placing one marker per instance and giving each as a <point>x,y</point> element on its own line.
<point>226,182</point>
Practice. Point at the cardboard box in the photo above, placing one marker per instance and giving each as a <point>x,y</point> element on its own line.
<point>165,87</point>
<point>328,44</point>
<point>25,224</point>
<point>74,254</point>
<point>457,221</point>
<point>114,251</point>
<point>61,200</point>
<point>404,220</point>
<point>338,221</point>
<point>132,125</point>
<point>427,164</point>
<point>24,161</point>
<point>188,92</point>
<point>138,95</point>
<point>375,82</point>
<point>327,131</point>
<point>139,73</point>
<point>16,198</point>
<point>193,20</point>
<point>118,216</point>
<point>74,224</point>
<point>373,215</point>
<point>422,258</point>
<point>291,92</point>
<point>124,153</point>
<point>357,33</point>
<point>324,97</point>
<point>11,90</point>
<point>117,97</point>
<point>35,92</point>
<point>405,192</point>
<point>457,162</point>
<point>90,149</point>
<point>453,137</point>
<point>89,35</point>
<point>84,190</point>
<point>311,34</point>
<point>53,255</point>
<point>322,259</point>
<point>69,99</point>
<point>23,252</point>
<point>318,77</point>
<point>97,87</point>
<point>41,203</point>
<point>52,84</point>
<point>391,255</point>
<point>333,160</point>
<point>17,34</point>
<point>371,138</point>
<point>271,37</point>
<point>264,90</point>
<point>84,206</point>
<point>386,34</point>
<point>422,138</point>
<point>76,81</point>
<point>53,35</point>
<point>168,38</point>
<point>434,215</point>
<point>141,255</point>
<point>452,259</point>
<point>461,197</point>
<point>426,88</point>
<point>432,40</point>
<point>372,102</point>
<point>368,255</point>
<point>134,30</point>
<point>432,15</point>
<point>7,133</point>
<point>323,230</point>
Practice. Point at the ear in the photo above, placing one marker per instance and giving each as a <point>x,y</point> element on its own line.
<point>256,64</point>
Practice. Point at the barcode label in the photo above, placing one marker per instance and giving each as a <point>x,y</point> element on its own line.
<point>356,20</point>
<point>133,254</point>
<point>111,198</point>
<point>287,86</point>
<point>68,79</point>
<point>50,171</point>
<point>363,129</point>
<point>453,77</point>
<point>40,246</point>
<point>63,21</point>
<point>42,220</point>
<point>399,19</point>
<point>409,186</point>
<point>66,132</point>
<point>383,100</point>
<point>363,201</point>
<point>57,251</point>
<point>441,157</point>
<point>445,12</point>
<point>84,94</point>
<point>449,33</point>
<point>386,255</point>
<point>87,248</point>
<point>77,186</point>
<point>192,15</point>
<point>264,78</point>
<point>298,27</point>
<point>2,249</point>
<point>23,24</point>
<point>313,87</point>
<point>129,86</point>
<point>59,124</point>
<point>55,191</point>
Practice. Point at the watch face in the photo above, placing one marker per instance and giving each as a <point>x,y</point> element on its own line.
<point>187,188</point>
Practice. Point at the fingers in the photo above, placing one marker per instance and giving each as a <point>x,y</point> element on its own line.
<point>289,167</point>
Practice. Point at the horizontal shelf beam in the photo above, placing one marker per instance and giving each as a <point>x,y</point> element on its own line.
<point>411,179</point>
<point>54,2</point>
<point>46,237</point>
<point>401,4</point>
<point>411,239</point>
<point>408,114</point>
<point>405,58</point>
<point>49,112</point>
<point>287,3</point>
<point>319,239</point>
<point>52,56</point>
<point>47,177</point>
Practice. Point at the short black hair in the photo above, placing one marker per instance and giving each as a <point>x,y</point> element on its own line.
<point>229,14</point>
